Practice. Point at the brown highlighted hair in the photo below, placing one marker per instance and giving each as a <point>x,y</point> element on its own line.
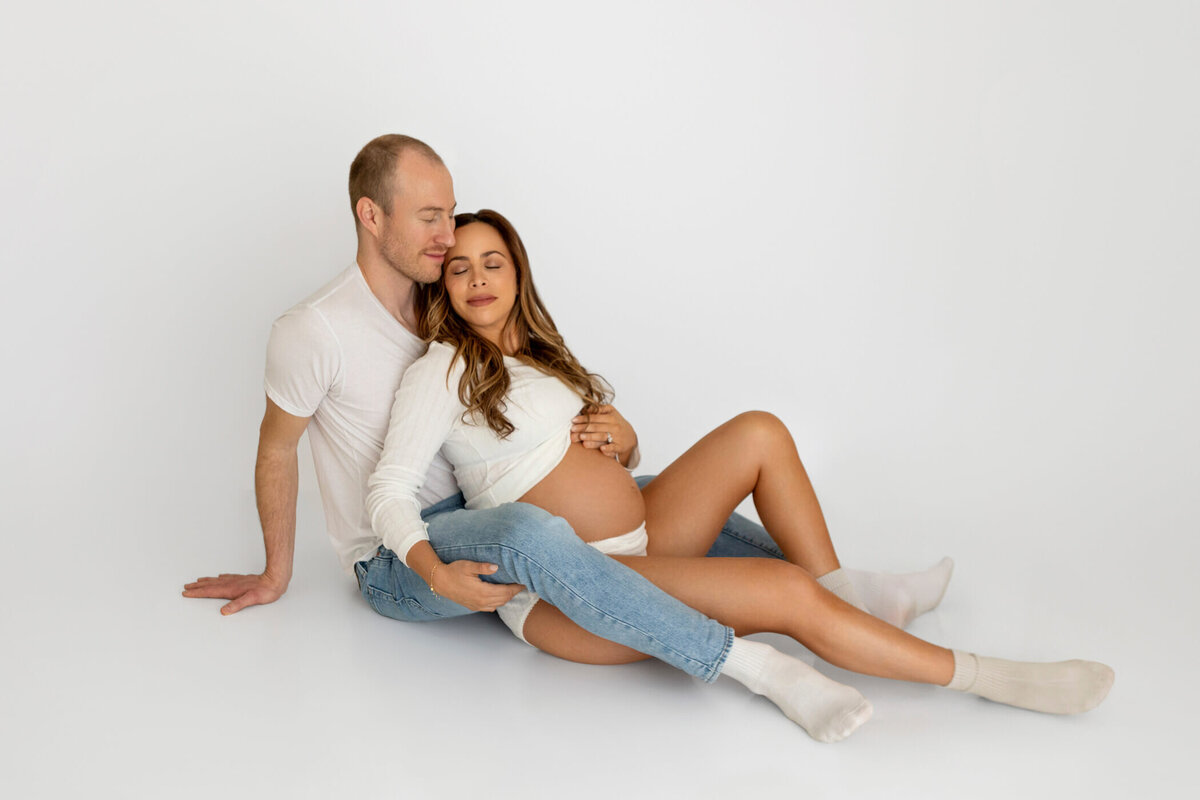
<point>485,383</point>
<point>374,168</point>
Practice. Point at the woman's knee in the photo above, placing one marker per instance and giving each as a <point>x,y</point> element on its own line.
<point>762,429</point>
<point>803,588</point>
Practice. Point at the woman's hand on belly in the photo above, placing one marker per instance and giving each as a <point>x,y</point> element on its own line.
<point>593,493</point>
<point>606,430</point>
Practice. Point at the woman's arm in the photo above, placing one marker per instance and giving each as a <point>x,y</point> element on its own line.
<point>423,414</point>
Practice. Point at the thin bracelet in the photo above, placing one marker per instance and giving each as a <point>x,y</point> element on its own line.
<point>433,572</point>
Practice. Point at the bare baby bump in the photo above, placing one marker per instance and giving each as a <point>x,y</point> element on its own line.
<point>591,491</point>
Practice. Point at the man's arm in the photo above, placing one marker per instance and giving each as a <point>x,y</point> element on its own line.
<point>276,481</point>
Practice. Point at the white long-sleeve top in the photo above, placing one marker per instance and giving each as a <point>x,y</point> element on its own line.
<point>427,417</point>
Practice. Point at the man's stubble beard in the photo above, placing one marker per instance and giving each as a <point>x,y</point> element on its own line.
<point>394,253</point>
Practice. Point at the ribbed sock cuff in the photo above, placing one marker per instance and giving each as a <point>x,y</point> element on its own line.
<point>746,662</point>
<point>835,581</point>
<point>966,671</point>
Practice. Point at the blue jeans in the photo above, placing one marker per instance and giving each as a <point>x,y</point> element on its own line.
<point>598,593</point>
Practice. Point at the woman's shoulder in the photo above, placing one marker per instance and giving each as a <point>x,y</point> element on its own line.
<point>439,353</point>
<point>438,364</point>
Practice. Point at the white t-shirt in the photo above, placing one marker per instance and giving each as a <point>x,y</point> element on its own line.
<point>427,419</point>
<point>338,357</point>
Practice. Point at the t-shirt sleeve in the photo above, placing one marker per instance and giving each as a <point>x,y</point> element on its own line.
<point>423,415</point>
<point>303,361</point>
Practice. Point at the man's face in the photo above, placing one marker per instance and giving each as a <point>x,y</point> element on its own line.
<point>415,236</point>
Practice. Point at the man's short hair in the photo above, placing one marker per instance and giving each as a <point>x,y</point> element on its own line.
<point>373,170</point>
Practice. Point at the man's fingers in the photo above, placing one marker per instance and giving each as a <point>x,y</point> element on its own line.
<point>206,585</point>
<point>238,603</point>
<point>223,578</point>
<point>204,582</point>
<point>226,586</point>
<point>207,591</point>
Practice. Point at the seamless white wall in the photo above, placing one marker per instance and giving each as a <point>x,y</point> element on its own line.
<point>951,244</point>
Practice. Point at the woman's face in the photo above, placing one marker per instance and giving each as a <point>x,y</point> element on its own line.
<point>481,280</point>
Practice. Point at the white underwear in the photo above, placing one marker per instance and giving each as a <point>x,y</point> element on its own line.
<point>516,611</point>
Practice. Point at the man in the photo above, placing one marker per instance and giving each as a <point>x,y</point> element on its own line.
<point>333,365</point>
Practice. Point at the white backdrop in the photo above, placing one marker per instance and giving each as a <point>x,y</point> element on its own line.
<point>952,244</point>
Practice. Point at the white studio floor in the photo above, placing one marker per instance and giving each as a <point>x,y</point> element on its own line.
<point>117,686</point>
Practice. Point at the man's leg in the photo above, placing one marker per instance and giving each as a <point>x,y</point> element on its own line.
<point>741,537</point>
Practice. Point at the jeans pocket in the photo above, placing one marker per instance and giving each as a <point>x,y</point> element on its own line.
<point>405,609</point>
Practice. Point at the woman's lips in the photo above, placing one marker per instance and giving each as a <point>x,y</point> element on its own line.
<point>482,300</point>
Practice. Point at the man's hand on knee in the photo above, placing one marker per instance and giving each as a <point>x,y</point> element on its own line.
<point>459,581</point>
<point>240,590</point>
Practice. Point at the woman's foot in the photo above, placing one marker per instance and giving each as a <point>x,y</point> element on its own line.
<point>1064,687</point>
<point>829,711</point>
<point>895,599</point>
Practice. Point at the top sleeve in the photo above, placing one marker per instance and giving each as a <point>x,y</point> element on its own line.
<point>635,458</point>
<point>303,361</point>
<point>423,415</point>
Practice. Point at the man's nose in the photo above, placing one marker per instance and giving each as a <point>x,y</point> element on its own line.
<point>445,234</point>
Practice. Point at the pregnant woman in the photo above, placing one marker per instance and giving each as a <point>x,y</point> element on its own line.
<point>498,392</point>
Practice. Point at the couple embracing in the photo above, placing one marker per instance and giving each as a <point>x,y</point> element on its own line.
<point>468,462</point>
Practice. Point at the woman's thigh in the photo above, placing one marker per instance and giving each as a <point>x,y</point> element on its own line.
<point>688,502</point>
<point>550,631</point>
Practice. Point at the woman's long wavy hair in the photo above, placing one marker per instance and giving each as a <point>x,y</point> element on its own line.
<point>485,382</point>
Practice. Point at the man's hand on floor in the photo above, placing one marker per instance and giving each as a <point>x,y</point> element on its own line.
<point>240,590</point>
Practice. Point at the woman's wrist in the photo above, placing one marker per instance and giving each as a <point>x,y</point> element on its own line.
<point>425,562</point>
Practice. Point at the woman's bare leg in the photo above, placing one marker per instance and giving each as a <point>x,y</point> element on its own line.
<point>752,454</point>
<point>754,596</point>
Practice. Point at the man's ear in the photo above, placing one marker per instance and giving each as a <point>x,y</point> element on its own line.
<point>368,214</point>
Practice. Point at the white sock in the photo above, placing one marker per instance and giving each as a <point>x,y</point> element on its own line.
<point>839,583</point>
<point>827,710</point>
<point>898,599</point>
<point>1065,687</point>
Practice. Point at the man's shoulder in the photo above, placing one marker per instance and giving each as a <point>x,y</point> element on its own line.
<point>320,314</point>
<point>310,324</point>
<point>341,288</point>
